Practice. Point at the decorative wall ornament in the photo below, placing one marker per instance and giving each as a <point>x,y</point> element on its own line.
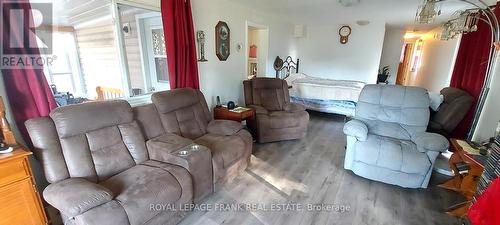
<point>222,41</point>
<point>200,37</point>
<point>239,46</point>
<point>344,33</point>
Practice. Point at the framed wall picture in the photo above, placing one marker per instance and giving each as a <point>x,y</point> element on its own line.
<point>222,41</point>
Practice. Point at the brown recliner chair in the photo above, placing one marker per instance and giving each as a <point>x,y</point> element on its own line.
<point>455,106</point>
<point>184,115</point>
<point>277,118</point>
<point>100,170</point>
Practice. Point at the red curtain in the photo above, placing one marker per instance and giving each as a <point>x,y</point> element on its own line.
<point>180,43</point>
<point>470,68</point>
<point>27,89</point>
<point>485,210</point>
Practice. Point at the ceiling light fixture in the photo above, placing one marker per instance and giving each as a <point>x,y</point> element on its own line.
<point>362,22</point>
<point>348,3</point>
<point>464,22</point>
<point>429,10</point>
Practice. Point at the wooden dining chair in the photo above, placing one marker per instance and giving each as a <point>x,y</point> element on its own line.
<point>105,93</point>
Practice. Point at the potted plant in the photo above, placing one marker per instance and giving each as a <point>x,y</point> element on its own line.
<point>383,74</point>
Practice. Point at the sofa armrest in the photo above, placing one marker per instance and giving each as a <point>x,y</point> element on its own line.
<point>75,196</point>
<point>167,142</point>
<point>431,142</point>
<point>224,127</point>
<point>197,161</point>
<point>357,129</point>
<point>294,107</point>
<point>259,109</point>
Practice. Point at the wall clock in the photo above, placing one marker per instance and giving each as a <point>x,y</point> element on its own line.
<point>344,33</point>
<point>222,41</point>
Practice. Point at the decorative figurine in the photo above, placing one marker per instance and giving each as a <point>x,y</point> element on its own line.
<point>200,37</point>
<point>218,102</point>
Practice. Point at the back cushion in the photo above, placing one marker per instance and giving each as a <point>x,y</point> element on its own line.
<point>183,112</point>
<point>149,121</point>
<point>456,105</point>
<point>99,139</point>
<point>270,93</point>
<point>394,111</point>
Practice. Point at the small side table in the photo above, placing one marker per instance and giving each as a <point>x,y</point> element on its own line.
<point>465,184</point>
<point>222,113</point>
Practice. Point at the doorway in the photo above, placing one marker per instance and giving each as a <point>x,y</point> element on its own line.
<point>404,65</point>
<point>257,50</point>
<point>410,63</point>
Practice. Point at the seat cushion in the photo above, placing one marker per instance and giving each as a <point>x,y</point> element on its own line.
<point>225,149</point>
<point>392,154</point>
<point>282,119</point>
<point>140,186</point>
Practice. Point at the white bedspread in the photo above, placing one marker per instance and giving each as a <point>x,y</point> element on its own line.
<point>305,86</point>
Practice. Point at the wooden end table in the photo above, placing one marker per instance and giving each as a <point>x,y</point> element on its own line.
<point>222,113</point>
<point>465,184</point>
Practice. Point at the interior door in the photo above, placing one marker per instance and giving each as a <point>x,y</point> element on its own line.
<point>156,54</point>
<point>404,66</point>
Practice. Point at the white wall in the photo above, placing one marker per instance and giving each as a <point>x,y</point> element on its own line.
<point>225,78</point>
<point>491,111</point>
<point>438,61</point>
<point>392,50</point>
<point>322,55</point>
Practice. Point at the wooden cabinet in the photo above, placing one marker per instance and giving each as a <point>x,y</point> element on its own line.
<point>19,199</point>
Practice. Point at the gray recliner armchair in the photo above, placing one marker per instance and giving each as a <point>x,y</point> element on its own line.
<point>387,139</point>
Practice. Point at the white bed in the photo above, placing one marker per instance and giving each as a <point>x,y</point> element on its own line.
<point>318,94</point>
<point>325,95</point>
<point>305,86</point>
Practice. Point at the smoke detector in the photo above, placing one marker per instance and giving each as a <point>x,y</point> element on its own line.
<point>348,3</point>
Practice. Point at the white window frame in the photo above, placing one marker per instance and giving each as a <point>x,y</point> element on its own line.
<point>122,54</point>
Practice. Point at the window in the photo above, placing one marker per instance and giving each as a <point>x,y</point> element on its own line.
<point>64,72</point>
<point>144,39</point>
<point>99,57</point>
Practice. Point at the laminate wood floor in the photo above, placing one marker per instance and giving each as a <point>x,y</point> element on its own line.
<point>310,171</point>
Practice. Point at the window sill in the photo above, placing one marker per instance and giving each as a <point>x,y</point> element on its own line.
<point>139,100</point>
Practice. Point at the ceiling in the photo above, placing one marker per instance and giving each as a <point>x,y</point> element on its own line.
<point>71,12</point>
<point>395,13</point>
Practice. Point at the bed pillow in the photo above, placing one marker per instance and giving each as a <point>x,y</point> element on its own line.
<point>436,100</point>
<point>295,76</point>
